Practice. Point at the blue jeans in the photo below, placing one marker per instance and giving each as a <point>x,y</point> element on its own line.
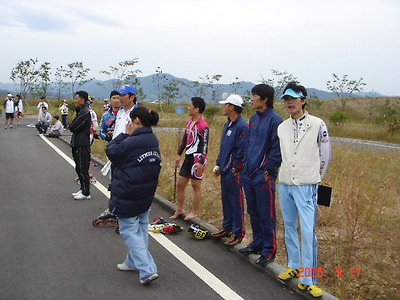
<point>40,128</point>
<point>135,233</point>
<point>300,201</point>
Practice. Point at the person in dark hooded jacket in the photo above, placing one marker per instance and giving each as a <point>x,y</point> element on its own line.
<point>136,158</point>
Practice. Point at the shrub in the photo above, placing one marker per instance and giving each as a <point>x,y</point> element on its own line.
<point>210,112</point>
<point>339,118</point>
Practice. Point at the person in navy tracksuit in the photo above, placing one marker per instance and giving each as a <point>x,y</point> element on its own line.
<point>228,165</point>
<point>262,160</point>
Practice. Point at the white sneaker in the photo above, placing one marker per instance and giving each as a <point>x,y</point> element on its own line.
<point>124,267</point>
<point>149,279</point>
<point>77,193</point>
<point>82,197</point>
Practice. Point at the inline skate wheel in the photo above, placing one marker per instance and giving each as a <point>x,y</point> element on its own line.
<point>96,223</point>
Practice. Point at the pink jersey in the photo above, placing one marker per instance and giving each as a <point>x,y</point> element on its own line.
<point>195,140</point>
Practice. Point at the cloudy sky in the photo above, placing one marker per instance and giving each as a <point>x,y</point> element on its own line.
<point>310,39</point>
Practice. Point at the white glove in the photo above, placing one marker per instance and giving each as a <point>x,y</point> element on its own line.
<point>216,169</point>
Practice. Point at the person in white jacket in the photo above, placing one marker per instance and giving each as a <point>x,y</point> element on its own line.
<point>57,129</point>
<point>44,121</point>
<point>9,108</point>
<point>305,150</point>
<point>18,108</point>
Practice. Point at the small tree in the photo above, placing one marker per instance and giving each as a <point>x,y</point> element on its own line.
<point>24,76</point>
<point>343,88</point>
<point>77,74</point>
<point>279,82</point>
<point>123,73</point>
<point>170,90</point>
<point>236,86</point>
<point>42,83</point>
<point>59,83</point>
<point>199,87</point>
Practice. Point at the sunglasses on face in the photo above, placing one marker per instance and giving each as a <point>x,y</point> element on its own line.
<point>287,98</point>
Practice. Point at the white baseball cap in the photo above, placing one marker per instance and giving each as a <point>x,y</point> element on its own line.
<point>234,100</point>
<point>9,95</point>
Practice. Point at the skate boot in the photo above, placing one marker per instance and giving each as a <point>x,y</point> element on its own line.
<point>158,224</point>
<point>105,219</point>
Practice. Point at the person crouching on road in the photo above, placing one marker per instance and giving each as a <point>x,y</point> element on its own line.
<point>305,158</point>
<point>136,158</point>
<point>57,129</point>
<point>44,121</point>
<point>228,165</point>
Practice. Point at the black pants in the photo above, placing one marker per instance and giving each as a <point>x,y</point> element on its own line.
<point>81,155</point>
<point>64,119</point>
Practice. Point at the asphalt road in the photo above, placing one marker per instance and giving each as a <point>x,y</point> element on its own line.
<point>50,250</point>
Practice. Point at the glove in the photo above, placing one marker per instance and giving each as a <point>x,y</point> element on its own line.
<point>216,169</point>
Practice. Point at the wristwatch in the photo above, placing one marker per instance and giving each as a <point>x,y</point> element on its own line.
<point>266,173</point>
<point>234,170</point>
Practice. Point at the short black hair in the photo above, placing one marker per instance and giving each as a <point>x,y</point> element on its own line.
<point>147,117</point>
<point>199,103</point>
<point>265,92</point>
<point>238,109</point>
<point>113,93</point>
<point>83,95</point>
<point>56,117</point>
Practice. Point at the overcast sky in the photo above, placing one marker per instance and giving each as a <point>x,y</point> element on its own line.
<point>236,38</point>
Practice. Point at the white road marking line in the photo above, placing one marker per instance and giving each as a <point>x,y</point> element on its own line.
<point>217,285</point>
<point>210,279</point>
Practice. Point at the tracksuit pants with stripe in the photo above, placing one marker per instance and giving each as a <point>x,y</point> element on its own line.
<point>260,197</point>
<point>232,204</point>
<point>300,201</point>
<point>81,155</point>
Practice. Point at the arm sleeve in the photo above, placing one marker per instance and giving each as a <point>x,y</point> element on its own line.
<point>116,148</point>
<point>274,158</point>
<point>79,122</point>
<point>103,127</point>
<point>204,147</point>
<point>324,149</point>
<point>238,154</point>
<point>182,144</point>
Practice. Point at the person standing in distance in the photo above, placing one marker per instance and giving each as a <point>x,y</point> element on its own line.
<point>18,109</point>
<point>80,143</point>
<point>262,160</point>
<point>229,164</point>
<point>305,148</point>
<point>9,108</point>
<point>195,144</point>
<point>107,122</point>
<point>64,113</point>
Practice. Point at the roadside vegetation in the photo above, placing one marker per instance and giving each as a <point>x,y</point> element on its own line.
<point>359,234</point>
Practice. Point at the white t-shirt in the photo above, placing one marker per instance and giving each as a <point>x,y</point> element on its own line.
<point>58,127</point>
<point>9,106</point>
<point>121,120</point>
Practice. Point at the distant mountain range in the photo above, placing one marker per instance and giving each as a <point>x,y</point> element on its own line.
<point>101,89</point>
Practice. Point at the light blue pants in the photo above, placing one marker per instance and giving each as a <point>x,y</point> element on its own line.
<point>300,201</point>
<point>135,233</point>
